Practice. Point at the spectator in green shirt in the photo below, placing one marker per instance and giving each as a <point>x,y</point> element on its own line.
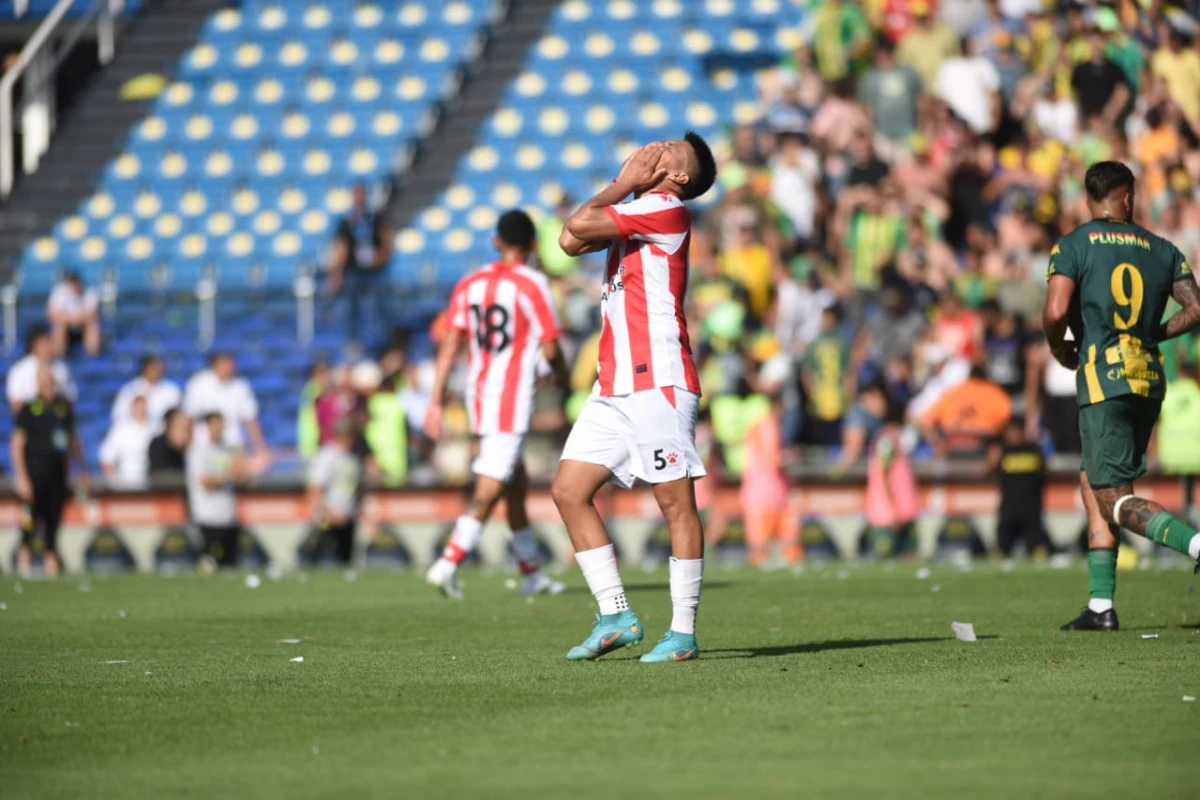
<point>841,38</point>
<point>554,261</point>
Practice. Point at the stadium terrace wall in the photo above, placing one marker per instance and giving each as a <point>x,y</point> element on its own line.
<point>404,528</point>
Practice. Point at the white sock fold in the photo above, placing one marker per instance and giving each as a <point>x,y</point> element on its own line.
<point>687,576</point>
<point>1099,605</point>
<point>1194,546</point>
<point>467,532</point>
<point>599,567</point>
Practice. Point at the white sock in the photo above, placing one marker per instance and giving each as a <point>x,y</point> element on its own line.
<point>599,567</point>
<point>525,550</point>
<point>467,531</point>
<point>1099,605</point>
<point>1194,546</point>
<point>686,579</point>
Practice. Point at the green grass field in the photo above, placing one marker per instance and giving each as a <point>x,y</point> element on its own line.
<point>833,683</point>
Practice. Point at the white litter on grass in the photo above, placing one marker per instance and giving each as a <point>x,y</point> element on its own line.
<point>301,577</point>
<point>72,724</point>
<point>1187,698</point>
<point>937,587</point>
<point>18,588</point>
<point>123,613</point>
<point>148,672</point>
<point>85,587</point>
<point>923,573</point>
<point>529,599</point>
<point>297,660</point>
<point>274,571</point>
<point>3,606</point>
<point>1007,565</point>
<point>316,751</point>
<point>843,574</point>
<point>511,583</point>
<point>964,631</point>
<point>120,661</point>
<point>350,575</point>
<point>253,581</point>
<point>290,641</point>
<point>1149,635</point>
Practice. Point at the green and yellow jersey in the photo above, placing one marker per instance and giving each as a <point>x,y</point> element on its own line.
<point>1123,276</point>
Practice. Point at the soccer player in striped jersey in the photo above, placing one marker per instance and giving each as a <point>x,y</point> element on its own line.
<point>640,420</point>
<point>505,315</point>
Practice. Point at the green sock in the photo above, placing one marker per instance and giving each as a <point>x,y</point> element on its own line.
<point>1102,573</point>
<point>1168,531</point>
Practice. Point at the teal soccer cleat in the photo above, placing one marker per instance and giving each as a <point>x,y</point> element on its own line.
<point>608,633</point>
<point>673,647</point>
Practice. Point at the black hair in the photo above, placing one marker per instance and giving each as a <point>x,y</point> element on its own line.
<point>170,414</point>
<point>147,360</point>
<point>217,355</point>
<point>706,167</point>
<point>835,311</point>
<point>208,418</point>
<point>1105,177</point>
<point>516,229</point>
<point>36,331</point>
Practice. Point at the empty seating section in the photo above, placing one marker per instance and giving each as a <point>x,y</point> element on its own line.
<point>605,77</point>
<point>246,159</point>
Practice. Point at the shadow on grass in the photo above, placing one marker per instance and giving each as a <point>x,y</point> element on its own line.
<point>664,586</point>
<point>818,647</point>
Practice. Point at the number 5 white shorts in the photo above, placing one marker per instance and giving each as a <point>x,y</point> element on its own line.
<point>649,435</point>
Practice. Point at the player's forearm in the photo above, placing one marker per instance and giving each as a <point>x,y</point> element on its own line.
<point>1054,325</point>
<point>445,360</point>
<point>1184,321</point>
<point>16,455</point>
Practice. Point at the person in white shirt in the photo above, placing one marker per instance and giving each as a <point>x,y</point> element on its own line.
<point>219,389</point>
<point>160,394</point>
<point>214,470</point>
<point>970,86</point>
<point>74,314</point>
<point>335,483</point>
<point>125,452</point>
<point>21,384</point>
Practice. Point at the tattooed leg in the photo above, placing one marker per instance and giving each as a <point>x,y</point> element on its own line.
<point>1147,518</point>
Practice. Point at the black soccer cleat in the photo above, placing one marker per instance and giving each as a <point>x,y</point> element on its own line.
<point>1094,621</point>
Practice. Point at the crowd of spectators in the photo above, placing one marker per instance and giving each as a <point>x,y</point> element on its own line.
<point>871,271</point>
<point>885,222</point>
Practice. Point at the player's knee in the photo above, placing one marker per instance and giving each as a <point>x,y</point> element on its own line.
<point>675,503</point>
<point>566,497</point>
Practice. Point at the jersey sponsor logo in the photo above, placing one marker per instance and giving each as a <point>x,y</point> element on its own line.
<point>1125,239</point>
<point>1185,268</point>
<point>613,284</point>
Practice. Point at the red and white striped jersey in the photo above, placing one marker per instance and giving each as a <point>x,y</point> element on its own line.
<point>643,339</point>
<point>506,312</point>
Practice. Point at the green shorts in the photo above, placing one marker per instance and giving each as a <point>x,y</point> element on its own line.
<point>1115,434</point>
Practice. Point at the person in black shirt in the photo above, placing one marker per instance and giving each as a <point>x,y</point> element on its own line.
<point>1006,343</point>
<point>43,443</point>
<point>1101,88</point>
<point>169,448</point>
<point>362,249</point>
<point>1022,472</point>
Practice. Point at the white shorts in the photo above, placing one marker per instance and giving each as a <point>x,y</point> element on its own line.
<point>649,435</point>
<point>499,454</point>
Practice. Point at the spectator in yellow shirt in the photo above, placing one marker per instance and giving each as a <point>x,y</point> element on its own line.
<point>1178,66</point>
<point>927,44</point>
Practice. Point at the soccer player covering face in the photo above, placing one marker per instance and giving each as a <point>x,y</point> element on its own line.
<point>640,419</point>
<point>1110,280</point>
<point>504,314</point>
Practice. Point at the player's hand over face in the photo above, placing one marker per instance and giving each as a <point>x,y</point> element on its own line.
<point>1067,355</point>
<point>642,171</point>
<point>432,426</point>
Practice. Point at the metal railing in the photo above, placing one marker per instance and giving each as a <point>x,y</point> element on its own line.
<point>41,62</point>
